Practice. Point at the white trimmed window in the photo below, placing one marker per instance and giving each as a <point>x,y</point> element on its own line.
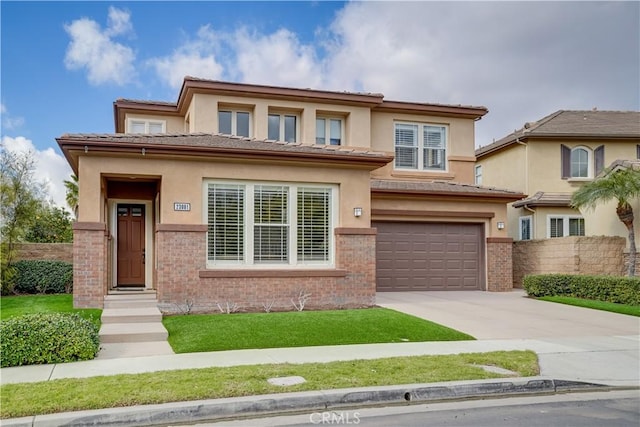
<point>478,175</point>
<point>283,127</point>
<point>580,163</point>
<point>420,147</point>
<point>525,227</point>
<point>146,126</point>
<point>232,122</point>
<point>329,131</point>
<point>266,224</point>
<point>565,225</point>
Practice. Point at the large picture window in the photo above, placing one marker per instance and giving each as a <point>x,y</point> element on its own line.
<point>270,224</point>
<point>420,147</point>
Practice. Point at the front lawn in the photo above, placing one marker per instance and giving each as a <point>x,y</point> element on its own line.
<point>12,306</point>
<point>195,333</point>
<point>27,399</point>
<point>632,310</point>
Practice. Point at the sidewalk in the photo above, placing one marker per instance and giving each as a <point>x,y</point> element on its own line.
<point>604,360</point>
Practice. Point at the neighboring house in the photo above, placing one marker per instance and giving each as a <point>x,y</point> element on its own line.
<point>252,194</point>
<point>551,158</point>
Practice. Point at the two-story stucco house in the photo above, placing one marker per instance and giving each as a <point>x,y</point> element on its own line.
<point>551,158</point>
<point>252,194</point>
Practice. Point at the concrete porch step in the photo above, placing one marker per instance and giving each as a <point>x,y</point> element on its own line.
<point>132,332</point>
<point>142,349</point>
<point>131,315</point>
<point>130,301</point>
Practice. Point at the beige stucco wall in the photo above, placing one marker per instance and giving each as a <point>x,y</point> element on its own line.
<point>182,181</point>
<point>506,169</point>
<point>446,207</point>
<point>460,149</point>
<point>203,117</point>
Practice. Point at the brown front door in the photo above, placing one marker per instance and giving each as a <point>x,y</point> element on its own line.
<point>131,245</point>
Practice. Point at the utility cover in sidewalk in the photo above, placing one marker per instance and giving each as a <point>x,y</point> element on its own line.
<point>286,380</point>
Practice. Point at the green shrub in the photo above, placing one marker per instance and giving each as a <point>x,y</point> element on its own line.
<point>47,338</point>
<point>616,289</point>
<point>43,277</point>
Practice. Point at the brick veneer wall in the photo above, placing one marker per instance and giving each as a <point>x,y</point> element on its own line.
<point>90,247</point>
<point>44,251</point>
<point>183,282</point>
<point>499,264</point>
<point>571,255</point>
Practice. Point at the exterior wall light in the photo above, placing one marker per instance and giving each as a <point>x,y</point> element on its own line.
<point>357,212</point>
<point>500,225</point>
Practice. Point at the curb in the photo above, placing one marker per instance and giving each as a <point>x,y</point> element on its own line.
<point>311,401</point>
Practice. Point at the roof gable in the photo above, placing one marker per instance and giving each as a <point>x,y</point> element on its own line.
<point>572,124</point>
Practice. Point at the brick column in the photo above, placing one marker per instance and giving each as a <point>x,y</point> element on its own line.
<point>181,255</point>
<point>90,246</point>
<point>356,253</point>
<point>499,264</point>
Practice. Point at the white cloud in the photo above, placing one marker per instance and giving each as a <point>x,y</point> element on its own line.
<point>93,49</point>
<point>9,122</point>
<point>51,168</point>
<point>195,58</point>
<point>277,59</point>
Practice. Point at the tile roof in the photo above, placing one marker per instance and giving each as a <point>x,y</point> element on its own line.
<point>440,187</point>
<point>542,198</point>
<point>220,141</point>
<point>565,123</point>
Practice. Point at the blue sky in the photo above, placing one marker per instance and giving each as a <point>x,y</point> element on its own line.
<point>64,63</point>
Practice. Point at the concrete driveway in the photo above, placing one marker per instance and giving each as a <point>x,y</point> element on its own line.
<point>508,315</point>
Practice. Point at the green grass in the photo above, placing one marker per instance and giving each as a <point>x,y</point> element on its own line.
<point>195,333</point>
<point>27,399</point>
<point>632,310</point>
<point>59,303</point>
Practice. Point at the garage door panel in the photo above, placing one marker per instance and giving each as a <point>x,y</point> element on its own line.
<point>428,256</point>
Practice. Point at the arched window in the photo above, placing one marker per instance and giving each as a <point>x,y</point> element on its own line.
<point>579,163</point>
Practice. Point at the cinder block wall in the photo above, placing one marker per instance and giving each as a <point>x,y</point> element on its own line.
<point>183,282</point>
<point>44,251</point>
<point>570,255</point>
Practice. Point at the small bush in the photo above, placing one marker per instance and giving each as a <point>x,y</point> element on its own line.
<point>42,338</point>
<point>620,290</point>
<point>43,277</point>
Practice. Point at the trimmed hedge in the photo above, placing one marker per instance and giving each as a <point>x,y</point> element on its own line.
<point>621,290</point>
<point>42,338</point>
<point>43,277</point>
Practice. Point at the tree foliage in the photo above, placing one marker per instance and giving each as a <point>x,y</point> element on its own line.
<point>71,186</point>
<point>51,225</point>
<point>622,185</point>
<point>20,199</point>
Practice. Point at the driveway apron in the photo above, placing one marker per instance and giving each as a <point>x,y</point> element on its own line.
<point>508,315</point>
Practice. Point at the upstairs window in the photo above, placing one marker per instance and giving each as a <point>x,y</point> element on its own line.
<point>420,147</point>
<point>328,131</point>
<point>146,126</point>
<point>232,122</point>
<point>283,127</point>
<point>478,175</point>
<point>581,162</point>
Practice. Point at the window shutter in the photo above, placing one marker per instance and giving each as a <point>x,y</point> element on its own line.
<point>638,151</point>
<point>226,222</point>
<point>599,161</point>
<point>314,213</point>
<point>565,156</point>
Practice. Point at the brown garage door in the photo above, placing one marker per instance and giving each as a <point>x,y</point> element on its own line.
<point>428,256</point>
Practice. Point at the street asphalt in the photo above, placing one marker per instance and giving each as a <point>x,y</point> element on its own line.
<point>570,358</point>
